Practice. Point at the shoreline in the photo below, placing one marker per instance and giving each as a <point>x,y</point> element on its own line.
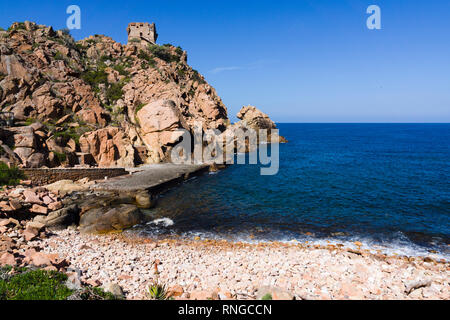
<point>219,269</point>
<point>370,245</point>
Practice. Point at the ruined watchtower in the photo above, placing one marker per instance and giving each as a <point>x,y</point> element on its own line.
<point>142,31</point>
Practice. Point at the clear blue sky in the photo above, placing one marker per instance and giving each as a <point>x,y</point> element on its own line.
<point>299,61</point>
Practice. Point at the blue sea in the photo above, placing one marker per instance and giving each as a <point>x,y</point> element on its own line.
<point>385,185</point>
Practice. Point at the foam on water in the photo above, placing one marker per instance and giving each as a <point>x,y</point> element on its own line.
<point>163,222</point>
<point>401,246</point>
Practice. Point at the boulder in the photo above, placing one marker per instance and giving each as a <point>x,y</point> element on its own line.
<point>107,219</point>
<point>160,122</point>
<point>7,259</point>
<point>66,187</point>
<point>144,200</point>
<point>61,218</point>
<point>115,290</point>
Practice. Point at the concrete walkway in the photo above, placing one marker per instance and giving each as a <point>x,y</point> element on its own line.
<point>150,177</point>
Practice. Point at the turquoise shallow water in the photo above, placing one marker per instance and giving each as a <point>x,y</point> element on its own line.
<point>387,185</point>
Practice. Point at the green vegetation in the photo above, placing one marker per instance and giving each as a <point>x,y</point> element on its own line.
<point>198,78</point>
<point>145,56</point>
<point>95,77</point>
<point>139,107</point>
<point>33,284</point>
<point>179,51</point>
<point>2,76</point>
<point>163,53</point>
<point>268,296</point>
<point>19,26</point>
<point>89,293</point>
<point>10,176</point>
<point>114,91</point>
<point>30,121</point>
<point>70,133</point>
<point>157,291</point>
<point>80,47</point>
<point>60,156</point>
<point>121,69</point>
<point>59,56</point>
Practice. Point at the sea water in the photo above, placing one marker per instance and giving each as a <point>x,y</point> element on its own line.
<point>385,185</point>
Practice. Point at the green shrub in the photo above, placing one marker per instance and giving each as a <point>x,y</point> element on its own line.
<point>121,69</point>
<point>89,293</point>
<point>29,284</point>
<point>114,92</point>
<point>94,78</point>
<point>59,56</point>
<point>35,285</point>
<point>139,107</point>
<point>60,156</point>
<point>20,26</point>
<point>179,51</point>
<point>268,296</point>
<point>10,176</point>
<point>29,121</point>
<point>69,133</point>
<point>80,47</point>
<point>197,77</point>
<point>163,53</point>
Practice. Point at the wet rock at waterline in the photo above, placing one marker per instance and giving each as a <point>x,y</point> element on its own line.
<point>144,200</point>
<point>106,219</point>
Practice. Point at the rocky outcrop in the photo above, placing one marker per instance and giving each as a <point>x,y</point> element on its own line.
<point>252,117</point>
<point>110,147</point>
<point>255,118</point>
<point>120,105</point>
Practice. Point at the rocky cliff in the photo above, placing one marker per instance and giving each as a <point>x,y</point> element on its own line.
<point>96,101</point>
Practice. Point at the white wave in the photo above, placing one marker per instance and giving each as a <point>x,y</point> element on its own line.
<point>398,247</point>
<point>163,222</point>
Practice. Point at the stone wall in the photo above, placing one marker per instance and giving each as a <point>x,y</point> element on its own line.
<point>47,176</point>
<point>142,31</point>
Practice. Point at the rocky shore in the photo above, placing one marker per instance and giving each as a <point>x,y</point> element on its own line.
<point>206,269</point>
<point>34,233</point>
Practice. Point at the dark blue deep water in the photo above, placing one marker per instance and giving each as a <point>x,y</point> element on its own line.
<point>387,185</point>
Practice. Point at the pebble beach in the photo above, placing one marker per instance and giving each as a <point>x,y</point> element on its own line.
<point>211,269</point>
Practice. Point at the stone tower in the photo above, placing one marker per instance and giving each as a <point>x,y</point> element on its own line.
<point>142,32</point>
